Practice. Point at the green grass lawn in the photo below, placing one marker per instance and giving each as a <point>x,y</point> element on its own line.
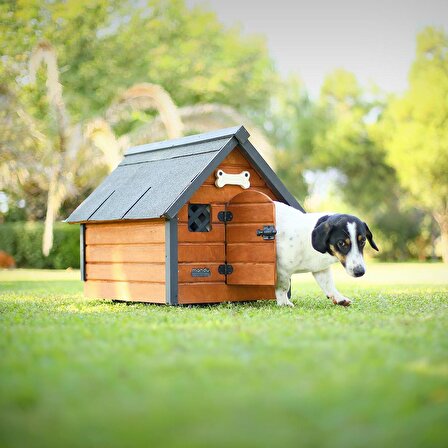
<point>89,373</point>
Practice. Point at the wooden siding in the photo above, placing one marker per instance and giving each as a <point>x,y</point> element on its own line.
<point>220,292</point>
<point>207,249</point>
<point>126,261</point>
<point>128,291</point>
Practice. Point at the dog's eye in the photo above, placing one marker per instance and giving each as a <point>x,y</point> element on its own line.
<point>341,243</point>
<point>362,242</point>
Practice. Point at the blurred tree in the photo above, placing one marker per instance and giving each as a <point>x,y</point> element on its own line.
<point>339,137</point>
<point>293,125</point>
<point>415,134</point>
<point>100,54</point>
<point>106,46</point>
<point>345,142</point>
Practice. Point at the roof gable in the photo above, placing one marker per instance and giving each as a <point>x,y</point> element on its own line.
<point>157,179</point>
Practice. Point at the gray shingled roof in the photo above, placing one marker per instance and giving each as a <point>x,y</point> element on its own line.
<point>157,179</point>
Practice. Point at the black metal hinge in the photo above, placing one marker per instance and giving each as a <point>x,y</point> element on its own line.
<point>268,232</point>
<point>225,269</point>
<point>225,216</point>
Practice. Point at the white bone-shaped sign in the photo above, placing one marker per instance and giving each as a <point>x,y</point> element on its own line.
<point>242,179</point>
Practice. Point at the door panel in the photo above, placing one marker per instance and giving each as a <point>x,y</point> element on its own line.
<point>250,213</point>
<point>243,252</point>
<point>247,273</point>
<point>252,257</point>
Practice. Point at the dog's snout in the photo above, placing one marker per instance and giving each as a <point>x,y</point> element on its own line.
<point>359,271</point>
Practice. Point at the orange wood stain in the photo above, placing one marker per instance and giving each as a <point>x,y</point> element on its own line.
<point>129,291</point>
<point>218,292</point>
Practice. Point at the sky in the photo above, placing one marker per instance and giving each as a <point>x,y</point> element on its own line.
<point>374,39</point>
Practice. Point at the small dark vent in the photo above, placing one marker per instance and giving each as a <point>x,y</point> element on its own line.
<point>199,218</point>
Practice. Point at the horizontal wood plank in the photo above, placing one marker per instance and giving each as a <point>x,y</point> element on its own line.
<point>254,252</point>
<point>236,158</point>
<point>253,196</point>
<point>216,234</point>
<point>126,233</point>
<point>252,274</point>
<point>185,273</point>
<point>144,272</point>
<point>246,233</point>
<point>216,292</point>
<point>130,253</point>
<point>200,252</point>
<point>137,291</point>
<point>209,193</point>
<point>251,213</point>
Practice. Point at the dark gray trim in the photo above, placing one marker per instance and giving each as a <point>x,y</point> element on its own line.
<point>242,134</point>
<point>171,261</point>
<point>239,132</point>
<point>266,172</point>
<point>174,208</point>
<point>82,251</point>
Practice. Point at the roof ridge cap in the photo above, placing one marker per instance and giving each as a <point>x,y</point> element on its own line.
<point>239,132</point>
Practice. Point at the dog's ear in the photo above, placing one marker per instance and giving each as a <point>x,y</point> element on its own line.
<point>321,233</point>
<point>369,237</point>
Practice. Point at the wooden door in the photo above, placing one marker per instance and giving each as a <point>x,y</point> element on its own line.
<point>250,240</point>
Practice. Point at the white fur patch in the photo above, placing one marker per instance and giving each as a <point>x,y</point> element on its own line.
<point>354,259</point>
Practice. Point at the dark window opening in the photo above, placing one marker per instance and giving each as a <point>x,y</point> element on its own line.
<point>199,218</point>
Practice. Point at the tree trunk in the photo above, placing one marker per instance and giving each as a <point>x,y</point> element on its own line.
<point>54,201</point>
<point>442,220</point>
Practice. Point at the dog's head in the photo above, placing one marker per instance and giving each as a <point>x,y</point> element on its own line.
<point>343,236</point>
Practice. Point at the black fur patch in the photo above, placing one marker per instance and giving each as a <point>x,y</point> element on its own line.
<point>330,235</point>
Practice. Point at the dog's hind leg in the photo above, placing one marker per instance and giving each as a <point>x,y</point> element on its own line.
<point>325,280</point>
<point>283,290</point>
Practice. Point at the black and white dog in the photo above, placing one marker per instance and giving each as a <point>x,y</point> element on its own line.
<point>312,242</point>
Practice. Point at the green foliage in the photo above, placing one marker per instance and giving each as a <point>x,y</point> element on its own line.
<point>414,125</point>
<point>294,124</point>
<point>345,143</point>
<point>414,132</point>
<point>77,372</point>
<point>338,132</point>
<point>105,46</point>
<point>24,242</point>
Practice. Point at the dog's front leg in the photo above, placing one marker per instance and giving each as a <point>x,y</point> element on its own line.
<point>282,289</point>
<point>325,280</point>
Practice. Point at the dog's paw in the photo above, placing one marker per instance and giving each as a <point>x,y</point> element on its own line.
<point>285,303</point>
<point>342,301</point>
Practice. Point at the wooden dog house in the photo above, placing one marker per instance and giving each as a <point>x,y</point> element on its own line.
<point>190,220</point>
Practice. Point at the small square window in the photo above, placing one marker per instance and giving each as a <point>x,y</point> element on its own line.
<point>199,218</point>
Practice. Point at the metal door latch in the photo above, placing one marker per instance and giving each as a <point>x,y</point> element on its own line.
<point>268,232</point>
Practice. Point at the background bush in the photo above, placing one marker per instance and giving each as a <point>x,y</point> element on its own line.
<point>23,240</point>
